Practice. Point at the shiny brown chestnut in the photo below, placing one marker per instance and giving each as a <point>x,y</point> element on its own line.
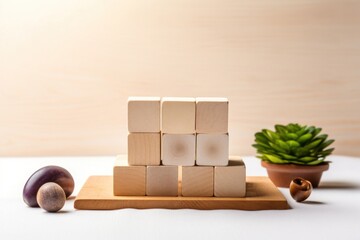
<point>46,174</point>
<point>300,189</point>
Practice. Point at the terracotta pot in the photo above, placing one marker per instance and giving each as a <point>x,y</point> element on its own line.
<point>282,174</point>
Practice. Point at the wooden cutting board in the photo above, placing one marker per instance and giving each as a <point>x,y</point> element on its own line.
<point>97,194</point>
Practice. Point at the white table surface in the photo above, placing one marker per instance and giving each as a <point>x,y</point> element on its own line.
<point>331,212</point>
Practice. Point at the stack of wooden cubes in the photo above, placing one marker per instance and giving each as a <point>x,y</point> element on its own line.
<point>174,140</point>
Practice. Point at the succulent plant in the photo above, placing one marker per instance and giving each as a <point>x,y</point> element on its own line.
<point>294,144</point>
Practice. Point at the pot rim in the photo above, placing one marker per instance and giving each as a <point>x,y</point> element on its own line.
<point>289,167</point>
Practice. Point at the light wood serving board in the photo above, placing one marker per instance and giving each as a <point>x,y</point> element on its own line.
<point>97,194</point>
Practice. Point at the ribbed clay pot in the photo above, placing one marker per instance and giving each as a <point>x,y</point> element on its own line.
<point>282,174</point>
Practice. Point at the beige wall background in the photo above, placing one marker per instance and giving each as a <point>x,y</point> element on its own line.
<point>67,68</point>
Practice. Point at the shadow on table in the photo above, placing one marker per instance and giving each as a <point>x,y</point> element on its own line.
<point>338,185</point>
<point>59,212</point>
<point>313,202</point>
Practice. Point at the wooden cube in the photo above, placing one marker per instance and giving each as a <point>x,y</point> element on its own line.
<point>128,180</point>
<point>230,181</point>
<point>144,149</point>
<point>144,114</point>
<point>162,181</point>
<point>212,115</point>
<point>178,149</point>
<point>212,149</point>
<point>178,115</point>
<point>197,181</point>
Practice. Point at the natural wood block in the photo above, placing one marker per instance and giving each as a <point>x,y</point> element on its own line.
<point>144,148</point>
<point>178,115</point>
<point>261,194</point>
<point>128,180</point>
<point>212,115</point>
<point>178,149</point>
<point>144,114</point>
<point>162,181</point>
<point>230,181</point>
<point>197,181</point>
<point>212,149</point>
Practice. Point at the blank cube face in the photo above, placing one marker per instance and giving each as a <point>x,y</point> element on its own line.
<point>212,149</point>
<point>230,181</point>
<point>144,114</point>
<point>212,115</point>
<point>162,181</point>
<point>197,181</point>
<point>144,149</point>
<point>178,115</point>
<point>129,180</point>
<point>178,149</point>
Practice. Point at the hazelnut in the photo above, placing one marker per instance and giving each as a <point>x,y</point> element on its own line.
<point>300,189</point>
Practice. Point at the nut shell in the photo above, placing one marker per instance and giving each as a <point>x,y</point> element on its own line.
<point>300,189</point>
<point>51,197</point>
<point>46,174</point>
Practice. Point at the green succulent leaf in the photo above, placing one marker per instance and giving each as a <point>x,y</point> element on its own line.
<point>275,159</point>
<point>304,138</point>
<point>327,152</point>
<point>300,152</point>
<point>315,162</point>
<point>313,144</point>
<point>277,148</point>
<point>287,156</point>
<point>293,143</point>
<point>265,134</point>
<point>283,145</point>
<point>260,137</point>
<point>281,129</point>
<point>308,159</point>
<point>292,136</point>
<point>316,131</point>
<point>302,131</point>
<point>311,129</point>
<point>272,135</point>
<point>322,136</point>
<point>263,144</point>
<point>327,143</point>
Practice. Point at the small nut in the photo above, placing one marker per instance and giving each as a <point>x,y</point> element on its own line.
<point>51,197</point>
<point>300,189</point>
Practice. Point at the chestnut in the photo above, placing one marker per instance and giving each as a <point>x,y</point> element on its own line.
<point>51,197</point>
<point>46,174</point>
<point>300,189</point>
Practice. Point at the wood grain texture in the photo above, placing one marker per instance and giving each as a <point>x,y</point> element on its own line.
<point>68,67</point>
<point>178,115</point>
<point>144,149</point>
<point>230,181</point>
<point>144,114</point>
<point>212,115</point>
<point>128,180</point>
<point>197,181</point>
<point>162,181</point>
<point>96,194</point>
